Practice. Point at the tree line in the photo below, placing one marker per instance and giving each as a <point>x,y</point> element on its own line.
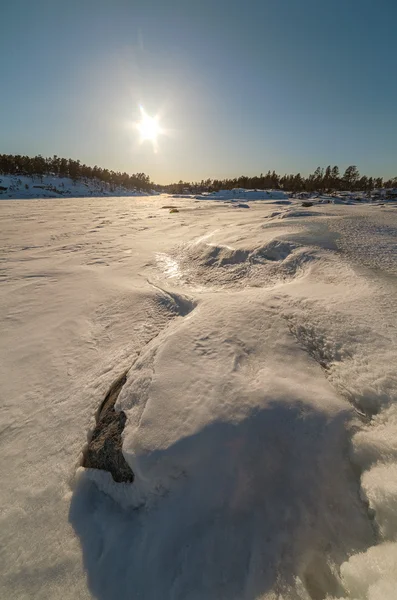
<point>39,166</point>
<point>322,180</point>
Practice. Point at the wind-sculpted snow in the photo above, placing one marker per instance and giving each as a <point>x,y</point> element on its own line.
<point>259,402</point>
<point>205,263</point>
<point>227,452</point>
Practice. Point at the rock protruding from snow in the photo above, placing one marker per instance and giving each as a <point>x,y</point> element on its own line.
<point>105,447</point>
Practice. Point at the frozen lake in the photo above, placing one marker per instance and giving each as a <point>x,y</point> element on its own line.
<point>261,392</point>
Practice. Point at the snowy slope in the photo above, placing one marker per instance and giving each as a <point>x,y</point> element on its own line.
<point>261,348</point>
<point>48,186</point>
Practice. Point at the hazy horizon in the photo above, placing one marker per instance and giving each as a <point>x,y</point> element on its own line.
<point>237,88</point>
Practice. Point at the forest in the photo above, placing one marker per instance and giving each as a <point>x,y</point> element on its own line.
<point>38,166</point>
<point>323,180</point>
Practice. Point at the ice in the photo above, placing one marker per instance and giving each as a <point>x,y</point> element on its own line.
<point>168,265</point>
<point>261,399</point>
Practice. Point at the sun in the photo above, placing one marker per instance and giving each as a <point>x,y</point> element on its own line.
<point>148,127</point>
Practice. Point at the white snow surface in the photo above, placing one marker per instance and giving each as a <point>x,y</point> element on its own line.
<point>260,399</point>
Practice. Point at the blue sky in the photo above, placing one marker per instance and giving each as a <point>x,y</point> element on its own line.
<point>240,87</point>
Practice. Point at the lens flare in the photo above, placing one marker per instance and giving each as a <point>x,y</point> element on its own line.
<point>148,127</point>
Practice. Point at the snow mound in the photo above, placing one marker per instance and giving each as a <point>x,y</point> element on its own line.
<point>347,201</point>
<point>221,265</point>
<point>294,212</point>
<point>281,202</point>
<point>300,214</point>
<point>228,450</point>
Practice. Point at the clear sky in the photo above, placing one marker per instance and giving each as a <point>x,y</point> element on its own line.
<point>240,86</point>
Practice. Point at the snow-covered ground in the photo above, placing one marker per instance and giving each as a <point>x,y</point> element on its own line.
<point>48,186</point>
<point>343,197</point>
<point>243,194</point>
<point>260,399</point>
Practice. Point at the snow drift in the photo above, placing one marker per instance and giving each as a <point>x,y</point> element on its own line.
<point>228,451</point>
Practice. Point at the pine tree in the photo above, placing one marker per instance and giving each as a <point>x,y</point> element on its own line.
<point>350,177</point>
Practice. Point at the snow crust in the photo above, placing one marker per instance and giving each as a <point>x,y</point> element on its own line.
<point>260,399</point>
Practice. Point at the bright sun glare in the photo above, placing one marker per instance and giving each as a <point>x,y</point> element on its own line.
<point>148,127</point>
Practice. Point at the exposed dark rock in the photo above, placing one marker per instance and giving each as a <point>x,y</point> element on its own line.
<point>307,204</point>
<point>169,206</point>
<point>242,205</point>
<point>105,448</point>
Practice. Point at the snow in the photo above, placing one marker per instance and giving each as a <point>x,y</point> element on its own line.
<point>48,186</point>
<point>244,194</point>
<point>260,399</point>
